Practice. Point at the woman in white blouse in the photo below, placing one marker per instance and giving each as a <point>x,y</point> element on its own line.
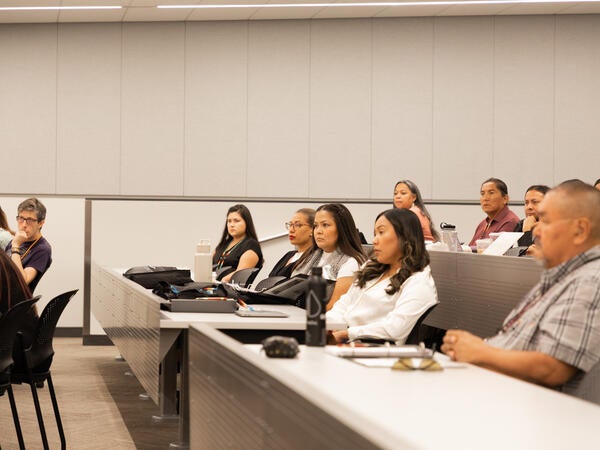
<point>394,288</point>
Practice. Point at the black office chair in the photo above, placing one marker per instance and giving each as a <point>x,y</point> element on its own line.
<point>220,273</point>
<point>415,335</point>
<point>245,277</point>
<point>269,282</point>
<point>413,338</point>
<point>589,386</point>
<point>10,323</point>
<point>33,366</point>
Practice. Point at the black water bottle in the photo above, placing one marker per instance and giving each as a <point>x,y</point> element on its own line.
<point>316,301</point>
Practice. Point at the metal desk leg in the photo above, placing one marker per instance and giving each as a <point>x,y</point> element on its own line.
<point>170,357</point>
<point>184,402</point>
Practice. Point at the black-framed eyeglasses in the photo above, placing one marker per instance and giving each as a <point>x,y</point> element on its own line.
<point>294,225</point>
<point>27,220</point>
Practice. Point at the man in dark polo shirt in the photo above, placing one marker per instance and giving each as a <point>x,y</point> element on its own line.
<point>29,250</point>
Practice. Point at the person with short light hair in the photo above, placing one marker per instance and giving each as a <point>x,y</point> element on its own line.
<point>552,337</point>
<point>30,252</point>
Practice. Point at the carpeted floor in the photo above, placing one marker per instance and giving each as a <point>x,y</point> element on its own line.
<point>99,404</point>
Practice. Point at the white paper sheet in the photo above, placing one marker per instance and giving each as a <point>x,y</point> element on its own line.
<point>502,243</point>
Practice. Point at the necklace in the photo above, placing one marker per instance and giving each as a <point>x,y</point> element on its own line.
<point>226,253</point>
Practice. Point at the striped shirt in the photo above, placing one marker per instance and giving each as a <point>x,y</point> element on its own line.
<point>560,316</point>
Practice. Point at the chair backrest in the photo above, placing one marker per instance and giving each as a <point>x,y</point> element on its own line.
<point>39,355</point>
<point>245,277</point>
<point>589,386</point>
<point>269,282</point>
<point>10,323</point>
<point>225,270</point>
<point>413,337</point>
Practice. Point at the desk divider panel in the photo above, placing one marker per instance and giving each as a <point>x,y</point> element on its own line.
<point>234,404</point>
<point>132,321</point>
<point>476,292</point>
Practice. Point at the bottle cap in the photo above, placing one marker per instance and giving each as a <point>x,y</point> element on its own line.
<point>203,246</point>
<point>317,271</point>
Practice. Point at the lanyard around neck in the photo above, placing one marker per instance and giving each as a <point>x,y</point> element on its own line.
<point>30,247</point>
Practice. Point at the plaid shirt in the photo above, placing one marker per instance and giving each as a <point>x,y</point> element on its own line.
<point>564,321</point>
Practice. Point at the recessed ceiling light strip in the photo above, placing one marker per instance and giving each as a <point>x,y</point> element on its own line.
<point>364,4</point>
<point>54,8</point>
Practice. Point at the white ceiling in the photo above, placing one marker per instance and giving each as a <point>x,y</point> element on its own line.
<point>146,11</point>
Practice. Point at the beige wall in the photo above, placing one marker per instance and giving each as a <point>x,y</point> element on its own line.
<point>305,109</point>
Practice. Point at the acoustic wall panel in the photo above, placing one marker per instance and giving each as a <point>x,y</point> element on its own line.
<point>402,102</point>
<point>216,108</point>
<point>28,108</point>
<point>577,134</point>
<point>340,108</point>
<point>523,101</point>
<point>152,109</point>
<point>462,106</point>
<point>278,108</point>
<point>89,108</point>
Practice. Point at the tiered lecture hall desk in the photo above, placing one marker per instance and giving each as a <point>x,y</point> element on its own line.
<point>238,398</point>
<point>154,342</point>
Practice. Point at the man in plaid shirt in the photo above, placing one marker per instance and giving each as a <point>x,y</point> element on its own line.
<point>552,337</point>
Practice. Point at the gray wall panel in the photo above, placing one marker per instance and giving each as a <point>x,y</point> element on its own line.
<point>462,106</point>
<point>340,108</point>
<point>523,101</point>
<point>402,104</point>
<point>577,133</point>
<point>216,108</point>
<point>446,102</point>
<point>278,108</point>
<point>89,94</point>
<point>152,109</point>
<point>28,108</point>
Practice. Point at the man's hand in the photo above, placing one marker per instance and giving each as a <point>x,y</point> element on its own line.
<point>529,223</point>
<point>19,238</point>
<point>463,346</point>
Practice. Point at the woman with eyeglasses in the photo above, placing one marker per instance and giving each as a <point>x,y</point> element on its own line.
<point>300,232</point>
<point>239,248</point>
<point>336,248</point>
<point>394,287</point>
<point>408,196</point>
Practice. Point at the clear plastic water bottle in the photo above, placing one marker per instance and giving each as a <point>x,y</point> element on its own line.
<point>203,262</point>
<point>316,302</point>
<point>450,237</point>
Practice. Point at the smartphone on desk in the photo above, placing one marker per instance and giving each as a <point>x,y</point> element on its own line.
<point>255,312</point>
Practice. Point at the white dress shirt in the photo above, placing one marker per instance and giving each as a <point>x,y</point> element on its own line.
<point>372,312</point>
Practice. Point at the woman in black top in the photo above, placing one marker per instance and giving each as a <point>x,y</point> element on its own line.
<point>300,232</point>
<point>239,247</point>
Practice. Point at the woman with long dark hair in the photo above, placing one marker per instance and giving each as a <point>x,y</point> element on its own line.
<point>337,249</point>
<point>394,288</point>
<point>13,290</point>
<point>238,247</point>
<point>408,196</point>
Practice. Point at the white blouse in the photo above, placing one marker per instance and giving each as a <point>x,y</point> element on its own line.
<point>372,312</point>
